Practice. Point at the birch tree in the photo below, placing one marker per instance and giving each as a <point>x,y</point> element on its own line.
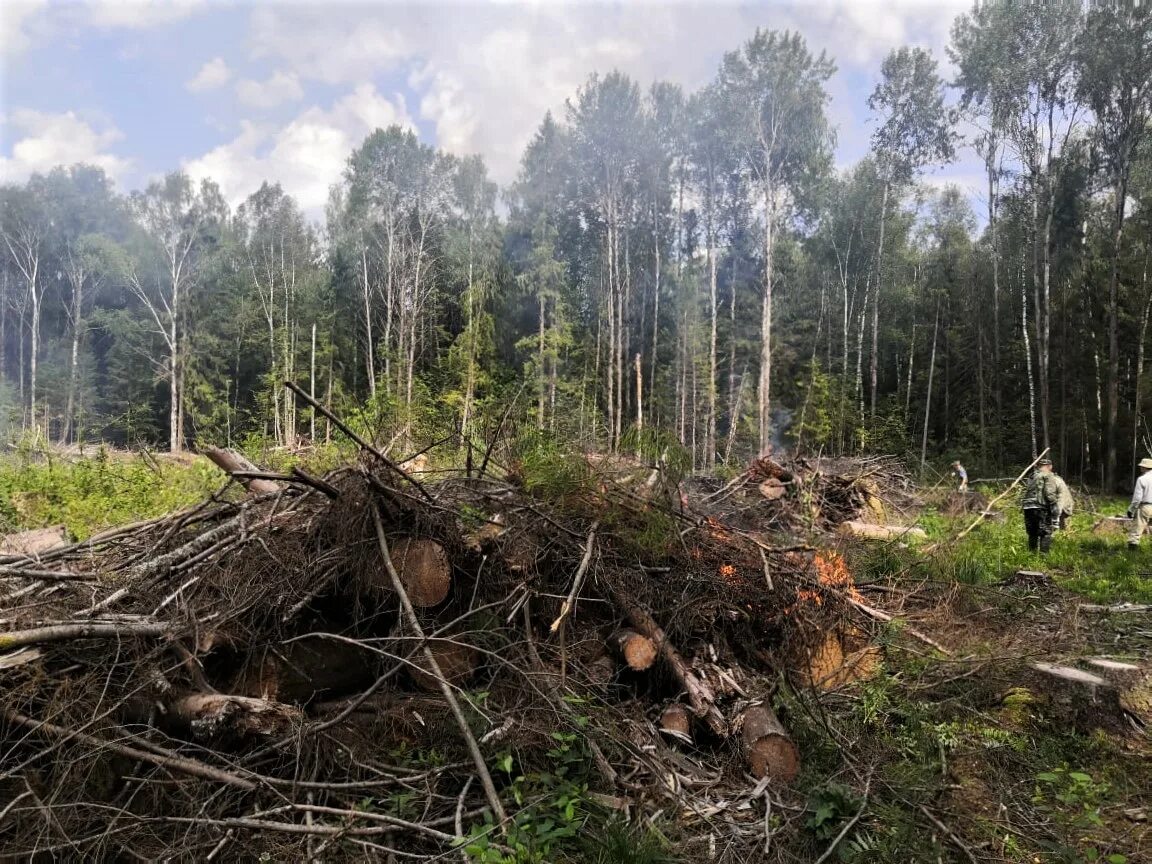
<point>775,90</point>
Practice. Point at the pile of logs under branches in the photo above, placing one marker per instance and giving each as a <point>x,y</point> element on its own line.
<point>242,676</point>
<point>813,495</point>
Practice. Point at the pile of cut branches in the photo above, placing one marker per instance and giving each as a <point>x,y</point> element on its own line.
<point>808,495</point>
<point>333,667</point>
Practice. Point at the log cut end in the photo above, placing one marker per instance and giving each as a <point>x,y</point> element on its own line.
<point>676,721</point>
<point>424,570</point>
<point>768,748</point>
<point>638,651</point>
<point>457,661</point>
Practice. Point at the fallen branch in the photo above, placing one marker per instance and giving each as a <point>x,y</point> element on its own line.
<point>449,697</point>
<point>162,759</point>
<point>577,583</point>
<point>87,630</point>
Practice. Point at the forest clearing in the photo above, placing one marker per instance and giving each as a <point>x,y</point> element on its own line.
<point>549,657</point>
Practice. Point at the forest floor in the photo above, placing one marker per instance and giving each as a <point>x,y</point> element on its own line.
<point>970,756</point>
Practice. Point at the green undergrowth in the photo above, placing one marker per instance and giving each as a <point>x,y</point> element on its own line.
<point>1099,568</point>
<point>90,493</point>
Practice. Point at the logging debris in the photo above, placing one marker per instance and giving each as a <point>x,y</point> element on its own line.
<point>247,671</point>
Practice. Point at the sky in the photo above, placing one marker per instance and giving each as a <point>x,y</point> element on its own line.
<point>244,92</point>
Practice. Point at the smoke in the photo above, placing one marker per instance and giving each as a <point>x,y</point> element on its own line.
<point>781,425</point>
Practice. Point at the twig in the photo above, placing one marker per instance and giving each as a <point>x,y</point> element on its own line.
<point>848,826</point>
<point>364,445</point>
<point>434,667</point>
<point>582,571</point>
<point>948,833</point>
<point>880,615</point>
<point>460,816</point>
<point>163,759</point>
<point>496,435</point>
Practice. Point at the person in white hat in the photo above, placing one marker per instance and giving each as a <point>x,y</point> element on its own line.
<point>1140,510</point>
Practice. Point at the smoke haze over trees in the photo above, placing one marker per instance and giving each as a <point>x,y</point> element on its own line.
<point>692,264</point>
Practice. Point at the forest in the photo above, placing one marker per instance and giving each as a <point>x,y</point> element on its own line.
<point>689,265</point>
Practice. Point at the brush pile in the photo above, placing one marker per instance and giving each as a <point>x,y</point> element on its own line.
<point>359,666</point>
<point>805,496</point>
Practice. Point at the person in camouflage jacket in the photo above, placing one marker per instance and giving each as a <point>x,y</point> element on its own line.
<point>1047,503</point>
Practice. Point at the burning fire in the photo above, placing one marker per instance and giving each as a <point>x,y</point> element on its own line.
<point>831,571</point>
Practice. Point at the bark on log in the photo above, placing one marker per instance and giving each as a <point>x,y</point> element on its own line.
<point>231,462</point>
<point>457,661</point>
<point>208,716</point>
<point>677,722</point>
<point>34,542</point>
<point>424,569</point>
<point>866,531</point>
<point>638,651</point>
<point>299,671</point>
<point>767,746</point>
<point>700,695</point>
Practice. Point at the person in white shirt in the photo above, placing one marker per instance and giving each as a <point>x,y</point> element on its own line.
<point>1140,510</point>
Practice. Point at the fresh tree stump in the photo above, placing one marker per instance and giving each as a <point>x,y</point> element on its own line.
<point>424,570</point>
<point>638,651</point>
<point>457,660</point>
<point>767,746</point>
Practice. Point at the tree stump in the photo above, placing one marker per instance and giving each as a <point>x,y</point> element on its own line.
<point>457,661</point>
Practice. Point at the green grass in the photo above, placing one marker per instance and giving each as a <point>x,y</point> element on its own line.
<point>1102,569</point>
<point>89,494</point>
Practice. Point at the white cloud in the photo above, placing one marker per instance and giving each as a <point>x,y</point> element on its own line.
<point>306,156</point>
<point>47,140</point>
<point>213,74</point>
<point>280,88</point>
<point>485,74</point>
<point>139,14</point>
<point>14,38</point>
<point>366,45</point>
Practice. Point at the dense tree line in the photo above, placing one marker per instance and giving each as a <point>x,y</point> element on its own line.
<point>686,265</point>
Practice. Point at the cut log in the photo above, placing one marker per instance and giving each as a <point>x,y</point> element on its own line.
<point>231,462</point>
<point>210,716</point>
<point>457,660</point>
<point>700,695</point>
<point>1121,674</point>
<point>677,722</point>
<point>863,530</point>
<point>299,671</point>
<point>639,652</point>
<point>773,489</point>
<point>424,570</point>
<point>34,542</point>
<point>767,746</point>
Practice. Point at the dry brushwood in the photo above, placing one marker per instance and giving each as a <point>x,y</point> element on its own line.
<point>242,675</point>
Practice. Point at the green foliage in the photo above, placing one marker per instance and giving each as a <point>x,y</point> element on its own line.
<point>98,491</point>
<point>829,806</point>
<point>552,808</point>
<point>548,469</point>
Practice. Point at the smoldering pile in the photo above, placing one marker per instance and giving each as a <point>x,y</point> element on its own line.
<point>331,667</point>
